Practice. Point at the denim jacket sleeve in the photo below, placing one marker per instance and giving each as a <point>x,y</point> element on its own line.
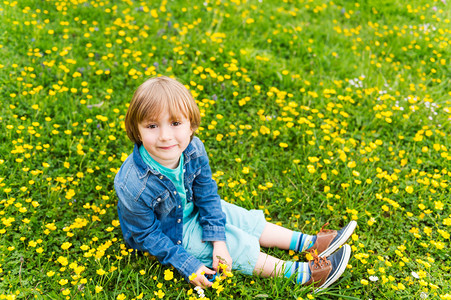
<point>147,235</point>
<point>206,198</point>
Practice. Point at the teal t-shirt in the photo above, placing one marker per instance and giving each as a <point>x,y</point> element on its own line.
<point>175,175</point>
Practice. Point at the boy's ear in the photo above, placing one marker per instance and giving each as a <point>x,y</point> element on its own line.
<point>193,130</point>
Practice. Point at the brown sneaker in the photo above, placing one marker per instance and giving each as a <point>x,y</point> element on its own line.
<point>326,270</point>
<point>327,241</point>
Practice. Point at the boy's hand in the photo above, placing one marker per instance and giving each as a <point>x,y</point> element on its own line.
<point>200,279</point>
<point>221,255</point>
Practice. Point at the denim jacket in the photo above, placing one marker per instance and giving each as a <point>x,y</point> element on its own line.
<point>151,213</point>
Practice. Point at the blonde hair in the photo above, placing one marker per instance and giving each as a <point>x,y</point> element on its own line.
<point>156,96</point>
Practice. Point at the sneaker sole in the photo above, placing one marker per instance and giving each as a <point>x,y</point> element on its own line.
<point>344,237</point>
<point>339,270</point>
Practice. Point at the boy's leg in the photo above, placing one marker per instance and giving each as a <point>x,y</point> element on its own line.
<point>325,242</point>
<point>270,235</point>
<point>283,238</point>
<point>321,272</point>
<point>269,266</point>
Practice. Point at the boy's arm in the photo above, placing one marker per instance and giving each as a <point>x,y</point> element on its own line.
<point>146,231</point>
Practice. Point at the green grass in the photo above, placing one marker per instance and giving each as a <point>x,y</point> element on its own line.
<point>313,111</point>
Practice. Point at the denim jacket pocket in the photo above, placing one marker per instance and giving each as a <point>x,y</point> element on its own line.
<point>163,203</point>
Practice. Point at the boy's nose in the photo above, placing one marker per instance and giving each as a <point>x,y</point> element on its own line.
<point>165,133</point>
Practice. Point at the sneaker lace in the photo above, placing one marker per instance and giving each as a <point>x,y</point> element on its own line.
<point>323,228</point>
<point>319,262</point>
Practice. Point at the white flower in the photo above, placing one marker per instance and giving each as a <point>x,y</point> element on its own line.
<point>415,275</point>
<point>423,295</point>
<point>374,278</point>
<point>199,291</point>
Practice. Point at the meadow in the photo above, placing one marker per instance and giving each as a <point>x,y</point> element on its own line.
<point>313,111</point>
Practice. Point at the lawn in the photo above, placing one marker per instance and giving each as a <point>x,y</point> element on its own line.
<point>314,111</point>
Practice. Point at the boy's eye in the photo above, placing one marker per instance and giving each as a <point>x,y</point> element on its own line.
<point>151,126</point>
<point>176,123</point>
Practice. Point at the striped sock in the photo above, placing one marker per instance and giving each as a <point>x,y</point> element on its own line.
<point>298,270</point>
<point>301,242</point>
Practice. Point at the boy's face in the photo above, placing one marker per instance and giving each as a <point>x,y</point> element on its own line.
<point>165,139</point>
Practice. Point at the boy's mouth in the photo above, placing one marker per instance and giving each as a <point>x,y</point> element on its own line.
<point>167,147</point>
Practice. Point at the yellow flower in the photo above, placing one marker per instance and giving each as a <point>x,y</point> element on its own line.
<point>50,273</point>
<point>439,245</point>
<point>439,205</point>
<point>98,289</point>
<point>364,282</point>
<point>168,274</point>
<point>351,164</point>
<point>100,272</point>
<point>159,294</point>
<point>63,281</point>
<point>66,245</point>
<point>371,271</point>
<point>443,233</point>
<point>409,189</point>
<point>121,297</point>
<point>192,276</point>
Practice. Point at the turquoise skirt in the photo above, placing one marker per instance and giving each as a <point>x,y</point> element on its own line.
<point>243,230</point>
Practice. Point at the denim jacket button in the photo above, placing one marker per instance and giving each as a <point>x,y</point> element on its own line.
<point>158,199</point>
<point>161,177</point>
<point>175,192</point>
<point>179,220</point>
<point>180,206</point>
<point>179,242</point>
